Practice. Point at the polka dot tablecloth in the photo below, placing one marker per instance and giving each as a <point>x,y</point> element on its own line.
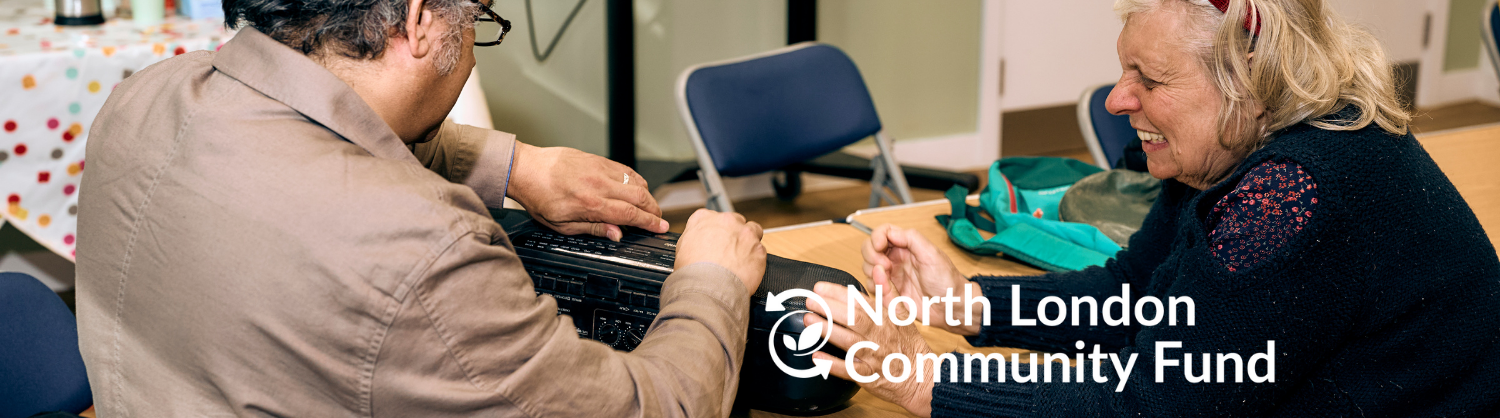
<point>53,81</point>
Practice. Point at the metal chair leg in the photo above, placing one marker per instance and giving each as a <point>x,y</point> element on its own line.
<point>877,182</point>
<point>888,175</point>
<point>718,197</point>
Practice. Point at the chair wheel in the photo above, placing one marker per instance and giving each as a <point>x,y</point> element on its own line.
<point>787,184</point>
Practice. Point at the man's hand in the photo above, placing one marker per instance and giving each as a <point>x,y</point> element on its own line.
<point>574,192</point>
<point>913,394</point>
<point>727,240</point>
<point>905,263</point>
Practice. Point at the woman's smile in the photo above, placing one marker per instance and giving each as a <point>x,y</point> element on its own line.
<point>1151,141</point>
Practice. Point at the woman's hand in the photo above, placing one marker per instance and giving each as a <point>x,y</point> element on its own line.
<point>904,262</point>
<point>913,394</point>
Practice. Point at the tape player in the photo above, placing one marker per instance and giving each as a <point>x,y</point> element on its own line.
<point>612,291</point>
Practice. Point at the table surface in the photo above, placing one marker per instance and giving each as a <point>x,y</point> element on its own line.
<point>837,245</point>
<point>1470,157</point>
<point>26,28</point>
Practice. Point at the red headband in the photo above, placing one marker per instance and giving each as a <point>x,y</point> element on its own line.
<point>1223,6</point>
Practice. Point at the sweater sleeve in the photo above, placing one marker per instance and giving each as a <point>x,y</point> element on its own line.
<point>984,393</point>
<point>1148,247</point>
<point>1269,206</point>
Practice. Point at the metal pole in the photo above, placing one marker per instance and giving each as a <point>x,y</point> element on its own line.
<point>619,22</point>
<point>801,21</point>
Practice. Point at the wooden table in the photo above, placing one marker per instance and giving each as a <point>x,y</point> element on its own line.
<point>837,245</point>
<point>1471,159</point>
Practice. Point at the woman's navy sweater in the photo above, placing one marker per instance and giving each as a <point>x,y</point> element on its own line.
<point>1387,304</point>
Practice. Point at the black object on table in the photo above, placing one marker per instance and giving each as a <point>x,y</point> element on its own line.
<point>612,291</point>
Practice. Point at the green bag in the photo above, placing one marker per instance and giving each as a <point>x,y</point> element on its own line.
<point>1022,197</point>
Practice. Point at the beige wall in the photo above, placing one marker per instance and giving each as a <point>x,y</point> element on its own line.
<point>672,35</point>
<point>921,62</point>
<point>1055,49</point>
<point>563,101</point>
<point>560,102</point>
<point>1464,35</point>
<point>919,59</point>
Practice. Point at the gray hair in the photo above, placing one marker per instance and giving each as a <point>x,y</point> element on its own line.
<point>356,29</point>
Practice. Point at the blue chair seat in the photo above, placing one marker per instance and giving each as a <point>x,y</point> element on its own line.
<point>41,369</point>
<point>768,111</point>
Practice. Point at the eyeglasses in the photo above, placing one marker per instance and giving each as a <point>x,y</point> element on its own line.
<point>489,26</point>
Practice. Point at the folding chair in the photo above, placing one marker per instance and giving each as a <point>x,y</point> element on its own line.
<point>764,112</point>
<point>1104,133</point>
<point>41,369</point>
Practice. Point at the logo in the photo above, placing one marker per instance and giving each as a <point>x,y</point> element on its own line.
<point>811,340</point>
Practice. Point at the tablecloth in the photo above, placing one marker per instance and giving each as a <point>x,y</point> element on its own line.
<point>53,81</point>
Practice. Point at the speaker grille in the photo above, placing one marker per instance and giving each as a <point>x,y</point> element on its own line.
<point>783,274</point>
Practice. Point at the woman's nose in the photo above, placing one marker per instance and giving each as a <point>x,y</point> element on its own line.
<point>1122,100</point>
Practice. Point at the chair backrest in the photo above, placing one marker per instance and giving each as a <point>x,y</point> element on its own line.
<point>41,369</point>
<point>1104,133</point>
<point>763,112</point>
<point>1491,27</point>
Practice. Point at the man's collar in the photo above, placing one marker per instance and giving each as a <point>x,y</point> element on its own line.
<point>288,76</point>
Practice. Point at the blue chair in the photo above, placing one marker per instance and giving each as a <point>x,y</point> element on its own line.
<point>1491,27</point>
<point>1105,134</point>
<point>768,111</point>
<point>41,369</point>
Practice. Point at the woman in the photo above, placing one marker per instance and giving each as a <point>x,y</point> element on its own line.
<point>1297,211</point>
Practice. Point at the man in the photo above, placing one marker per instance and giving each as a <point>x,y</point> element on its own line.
<point>259,236</point>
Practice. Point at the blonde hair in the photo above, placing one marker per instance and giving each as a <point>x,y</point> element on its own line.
<point>1307,65</point>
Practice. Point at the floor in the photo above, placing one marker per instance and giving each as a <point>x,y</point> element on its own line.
<point>1456,116</point>
<point>837,203</point>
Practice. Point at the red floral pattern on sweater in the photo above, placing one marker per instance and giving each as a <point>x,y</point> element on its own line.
<point>1270,205</point>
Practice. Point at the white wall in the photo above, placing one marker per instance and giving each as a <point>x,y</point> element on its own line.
<point>1397,23</point>
<point>1055,49</point>
<point>1439,86</point>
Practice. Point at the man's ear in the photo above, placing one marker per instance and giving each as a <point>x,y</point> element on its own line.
<point>421,34</point>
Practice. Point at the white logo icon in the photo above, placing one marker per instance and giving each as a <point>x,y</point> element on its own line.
<point>812,339</point>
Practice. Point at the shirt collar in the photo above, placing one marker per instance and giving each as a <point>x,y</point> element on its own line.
<point>288,76</point>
